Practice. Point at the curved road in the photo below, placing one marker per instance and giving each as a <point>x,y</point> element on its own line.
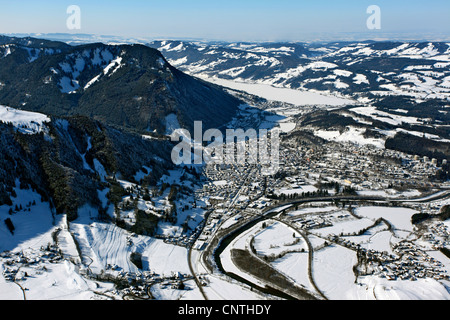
<point>310,256</point>
<point>272,212</point>
<point>191,268</point>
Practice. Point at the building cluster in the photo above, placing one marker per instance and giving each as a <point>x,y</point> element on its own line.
<point>14,262</point>
<point>243,190</point>
<point>137,284</point>
<point>438,235</point>
<point>313,222</point>
<point>363,167</point>
<point>413,263</point>
<point>407,262</point>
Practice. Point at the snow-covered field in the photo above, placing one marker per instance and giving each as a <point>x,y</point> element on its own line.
<point>346,226</point>
<point>400,218</point>
<point>374,239</point>
<point>239,243</point>
<point>276,239</point>
<point>24,121</point>
<point>381,289</point>
<point>390,193</point>
<point>351,135</point>
<point>44,279</point>
<point>333,271</point>
<point>298,191</point>
<point>296,266</point>
<point>35,219</point>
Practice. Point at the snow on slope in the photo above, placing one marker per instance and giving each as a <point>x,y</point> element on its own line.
<point>76,63</point>
<point>382,289</point>
<point>34,230</point>
<point>31,227</point>
<point>104,244</point>
<point>25,121</point>
<point>385,117</point>
<point>322,68</point>
<point>101,243</point>
<point>9,291</point>
<point>351,135</point>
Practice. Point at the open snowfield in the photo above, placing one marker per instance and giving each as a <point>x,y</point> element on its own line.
<point>225,289</point>
<point>400,218</point>
<point>25,121</point>
<point>276,239</point>
<point>296,266</point>
<point>299,190</point>
<point>381,289</point>
<point>104,244</point>
<point>240,242</point>
<point>32,228</point>
<point>332,271</point>
<point>346,226</point>
<point>311,210</point>
<point>374,239</point>
<point>390,193</point>
<point>351,135</point>
<point>10,291</point>
<point>384,116</point>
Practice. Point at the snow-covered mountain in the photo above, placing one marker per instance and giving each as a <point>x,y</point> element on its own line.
<point>398,92</point>
<point>369,69</point>
<point>131,86</point>
<point>66,160</point>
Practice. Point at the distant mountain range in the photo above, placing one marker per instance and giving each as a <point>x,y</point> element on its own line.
<point>306,37</point>
<point>365,69</point>
<point>401,89</point>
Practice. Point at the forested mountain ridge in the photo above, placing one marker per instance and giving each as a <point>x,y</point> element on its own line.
<point>131,86</point>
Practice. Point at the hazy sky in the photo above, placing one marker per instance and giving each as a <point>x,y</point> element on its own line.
<point>225,20</point>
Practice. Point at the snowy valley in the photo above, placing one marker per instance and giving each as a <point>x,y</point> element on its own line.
<point>92,207</point>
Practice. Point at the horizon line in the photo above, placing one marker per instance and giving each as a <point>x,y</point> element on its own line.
<point>321,37</point>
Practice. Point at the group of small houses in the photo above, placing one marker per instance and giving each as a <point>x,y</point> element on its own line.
<point>135,283</point>
<point>138,284</point>
<point>437,231</point>
<point>14,261</point>
<point>183,240</point>
<point>407,262</point>
<point>313,222</point>
<point>354,164</point>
